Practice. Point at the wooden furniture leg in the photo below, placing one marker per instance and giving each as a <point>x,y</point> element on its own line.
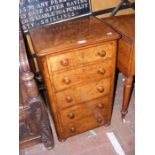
<point>125,25</point>
<point>128,84</point>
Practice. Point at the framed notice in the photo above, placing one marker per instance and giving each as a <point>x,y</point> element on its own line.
<point>33,13</point>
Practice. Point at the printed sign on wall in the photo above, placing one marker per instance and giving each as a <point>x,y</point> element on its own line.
<point>34,13</point>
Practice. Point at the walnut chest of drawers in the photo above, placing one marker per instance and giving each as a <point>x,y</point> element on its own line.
<point>77,59</point>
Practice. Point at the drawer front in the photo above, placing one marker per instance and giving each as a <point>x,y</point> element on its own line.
<point>125,61</point>
<point>81,56</point>
<point>87,73</point>
<point>83,93</point>
<point>86,124</point>
<point>94,108</point>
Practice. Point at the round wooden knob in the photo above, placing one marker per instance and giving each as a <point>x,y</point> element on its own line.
<point>66,80</point>
<point>100,105</point>
<point>64,62</point>
<point>100,89</point>
<point>101,53</point>
<point>72,129</point>
<point>99,119</point>
<point>69,99</point>
<point>101,70</point>
<point>71,115</point>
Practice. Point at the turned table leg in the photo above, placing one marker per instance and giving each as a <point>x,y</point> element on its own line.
<point>128,84</point>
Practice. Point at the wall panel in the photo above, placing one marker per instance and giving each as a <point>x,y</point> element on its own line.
<point>106,4</point>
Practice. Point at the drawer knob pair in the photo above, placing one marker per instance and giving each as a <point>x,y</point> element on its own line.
<point>102,53</point>
<point>71,115</point>
<point>66,80</point>
<point>99,119</point>
<point>64,62</point>
<point>100,89</point>
<point>72,129</point>
<point>101,70</point>
<point>100,105</point>
<point>69,99</point>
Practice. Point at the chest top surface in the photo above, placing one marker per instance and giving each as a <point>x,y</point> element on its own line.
<point>124,24</point>
<point>70,34</point>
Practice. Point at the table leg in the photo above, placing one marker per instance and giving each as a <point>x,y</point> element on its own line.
<point>128,84</point>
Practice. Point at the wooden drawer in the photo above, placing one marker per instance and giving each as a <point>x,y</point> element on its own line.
<point>126,57</point>
<point>86,124</point>
<point>81,56</point>
<point>94,107</point>
<point>87,73</point>
<point>83,93</point>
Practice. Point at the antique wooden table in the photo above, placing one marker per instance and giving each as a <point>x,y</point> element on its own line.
<point>125,25</point>
<point>77,59</point>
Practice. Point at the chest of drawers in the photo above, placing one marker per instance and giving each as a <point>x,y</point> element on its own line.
<point>77,59</point>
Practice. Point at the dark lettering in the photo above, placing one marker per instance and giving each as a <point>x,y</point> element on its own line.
<point>39,12</point>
